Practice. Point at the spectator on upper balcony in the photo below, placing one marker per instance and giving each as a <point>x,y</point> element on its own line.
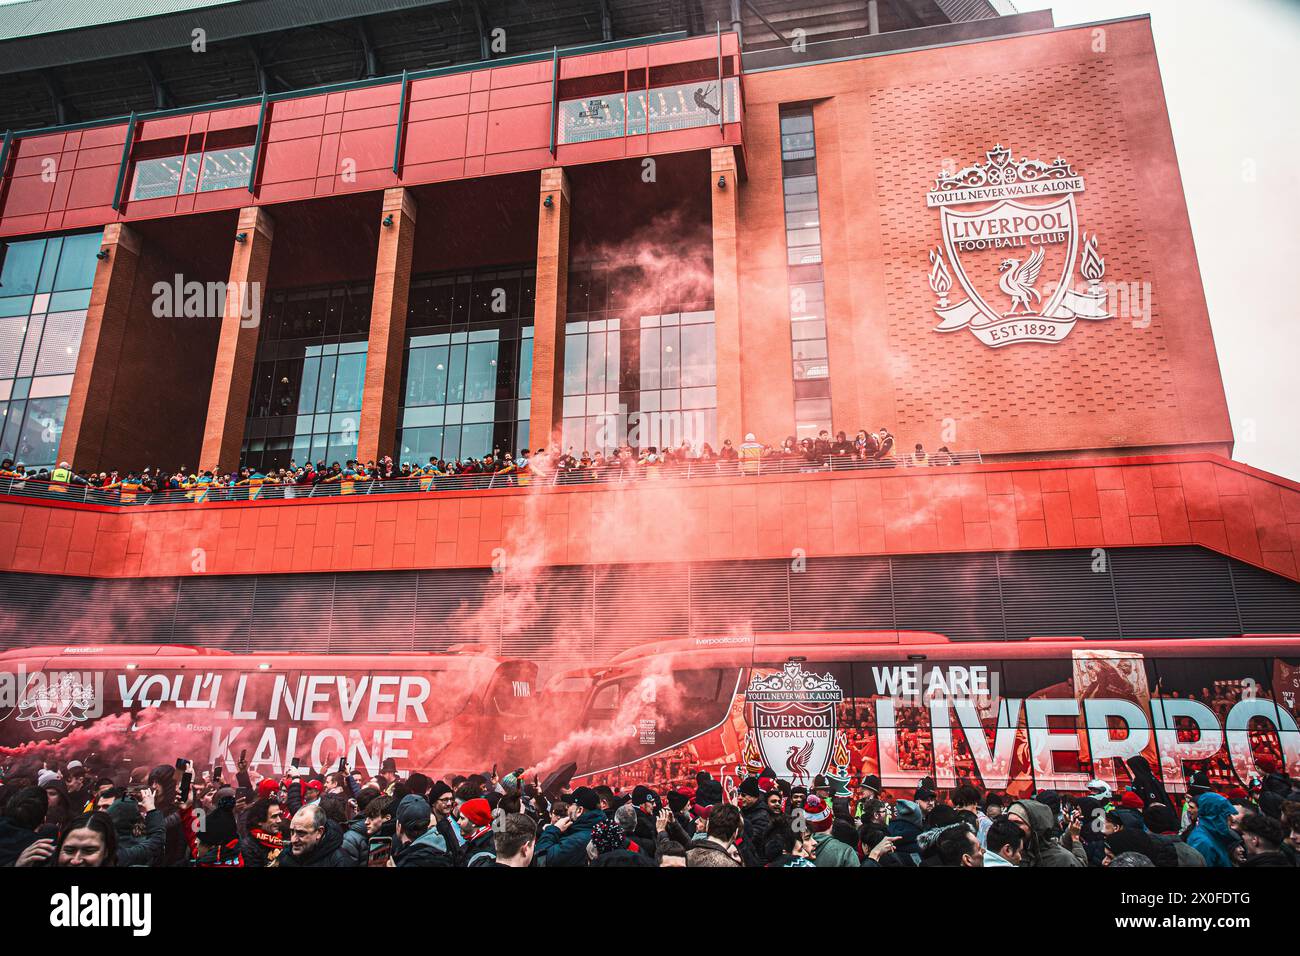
<point>822,446</point>
<point>942,457</point>
<point>842,447</point>
<point>865,445</point>
<point>884,445</point>
<point>918,458</point>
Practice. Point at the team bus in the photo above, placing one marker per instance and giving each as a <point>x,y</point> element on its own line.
<point>1046,713</point>
<point>127,703</point>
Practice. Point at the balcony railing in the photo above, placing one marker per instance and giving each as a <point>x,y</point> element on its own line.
<point>84,494</point>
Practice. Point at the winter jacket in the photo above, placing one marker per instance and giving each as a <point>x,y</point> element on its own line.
<point>711,850</point>
<point>758,819</point>
<point>907,852</point>
<point>146,850</point>
<point>1212,836</point>
<point>1184,854</point>
<point>13,840</point>
<point>356,842</point>
<point>257,853</point>
<point>327,852</point>
<point>428,849</point>
<point>993,860</point>
<point>569,847</point>
<point>1045,846</point>
<point>833,852</point>
<point>480,849</point>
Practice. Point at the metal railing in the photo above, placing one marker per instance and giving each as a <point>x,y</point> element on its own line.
<point>606,475</point>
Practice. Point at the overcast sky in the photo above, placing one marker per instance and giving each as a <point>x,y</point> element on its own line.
<point>1229,69</point>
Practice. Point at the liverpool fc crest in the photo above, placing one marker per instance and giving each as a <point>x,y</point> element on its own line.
<point>1011,232</point>
<point>792,721</point>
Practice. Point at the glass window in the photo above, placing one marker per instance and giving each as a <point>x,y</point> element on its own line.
<point>157,178</point>
<point>77,262</point>
<point>226,168</point>
<point>309,380</point>
<point>22,267</point>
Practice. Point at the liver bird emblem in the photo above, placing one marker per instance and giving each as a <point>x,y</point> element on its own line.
<point>1018,280</point>
<point>796,761</point>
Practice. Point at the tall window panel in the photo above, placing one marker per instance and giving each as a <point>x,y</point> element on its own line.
<point>469,365</point>
<point>309,376</point>
<point>44,292</point>
<point>638,371</point>
<point>811,366</point>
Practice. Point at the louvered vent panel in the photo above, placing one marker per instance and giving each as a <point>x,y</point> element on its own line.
<point>841,594</point>
<point>291,612</point>
<point>215,612</point>
<point>459,606</point>
<point>374,613</point>
<point>954,594</point>
<point>1269,604</point>
<point>550,618</point>
<point>727,596</point>
<point>640,603</point>
<point>1057,593</point>
<point>1174,592</point>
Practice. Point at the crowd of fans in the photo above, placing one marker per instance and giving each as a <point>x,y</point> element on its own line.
<point>168,816</point>
<point>866,449</point>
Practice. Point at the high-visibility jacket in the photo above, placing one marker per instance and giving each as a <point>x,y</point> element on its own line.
<point>750,452</point>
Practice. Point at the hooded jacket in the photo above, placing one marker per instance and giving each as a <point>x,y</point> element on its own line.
<point>327,852</point>
<point>428,849</point>
<point>1212,836</point>
<point>131,849</point>
<point>833,852</point>
<point>1044,848</point>
<point>569,847</point>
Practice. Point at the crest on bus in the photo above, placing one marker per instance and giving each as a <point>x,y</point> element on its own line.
<point>57,705</point>
<point>1011,233</point>
<point>792,721</point>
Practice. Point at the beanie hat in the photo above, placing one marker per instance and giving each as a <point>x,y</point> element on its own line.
<point>907,811</point>
<point>1199,782</point>
<point>267,788</point>
<point>1131,840</point>
<point>643,794</point>
<point>1236,793</point>
<point>677,799</point>
<point>1160,819</point>
<point>477,812</point>
<point>709,793</point>
<point>587,798</point>
<point>607,836</point>
<point>1131,801</point>
<point>438,789</point>
<point>125,814</point>
<point>46,777</point>
<point>817,814</point>
<point>217,826</point>
<point>414,813</point>
<point>749,787</point>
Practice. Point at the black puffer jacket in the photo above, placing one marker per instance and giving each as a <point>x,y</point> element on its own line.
<point>327,852</point>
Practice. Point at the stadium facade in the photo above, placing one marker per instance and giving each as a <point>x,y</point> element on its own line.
<point>966,227</point>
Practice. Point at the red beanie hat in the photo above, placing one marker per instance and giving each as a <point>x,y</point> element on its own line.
<point>1131,801</point>
<point>267,788</point>
<point>314,785</point>
<point>1236,793</point>
<point>817,814</point>
<point>477,812</point>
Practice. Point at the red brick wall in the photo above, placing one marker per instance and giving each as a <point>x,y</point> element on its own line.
<point>885,127</point>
